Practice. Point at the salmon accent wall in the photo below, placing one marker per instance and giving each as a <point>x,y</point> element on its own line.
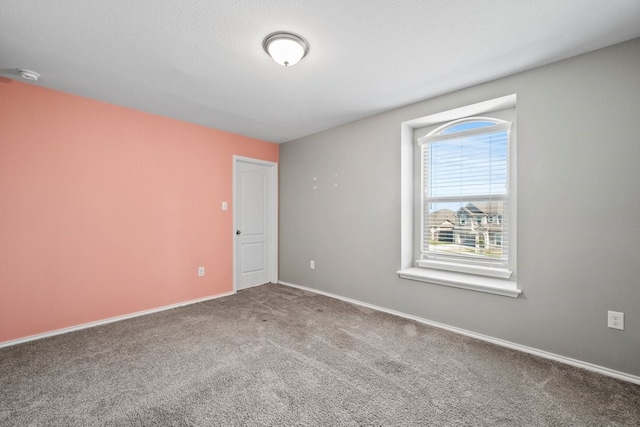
<point>106,211</point>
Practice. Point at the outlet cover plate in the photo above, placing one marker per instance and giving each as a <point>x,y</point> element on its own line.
<point>615,320</point>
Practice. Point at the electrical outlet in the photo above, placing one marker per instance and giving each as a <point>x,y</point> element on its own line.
<point>615,320</point>
<point>200,271</point>
<point>312,265</point>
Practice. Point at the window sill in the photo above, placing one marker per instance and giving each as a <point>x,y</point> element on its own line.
<point>499,273</point>
<point>464,281</point>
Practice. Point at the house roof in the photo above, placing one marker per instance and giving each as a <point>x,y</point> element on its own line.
<point>446,224</point>
<point>441,216</point>
<point>203,61</point>
<point>476,208</point>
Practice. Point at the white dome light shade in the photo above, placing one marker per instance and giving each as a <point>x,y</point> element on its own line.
<point>29,75</point>
<point>285,48</point>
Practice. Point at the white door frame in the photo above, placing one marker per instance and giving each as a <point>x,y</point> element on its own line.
<point>272,221</point>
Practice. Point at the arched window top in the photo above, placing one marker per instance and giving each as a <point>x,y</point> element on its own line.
<point>469,124</point>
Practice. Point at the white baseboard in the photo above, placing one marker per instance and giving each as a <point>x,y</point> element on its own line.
<point>545,354</point>
<point>109,320</point>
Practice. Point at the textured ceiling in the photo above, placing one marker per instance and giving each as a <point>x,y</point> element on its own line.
<point>202,61</point>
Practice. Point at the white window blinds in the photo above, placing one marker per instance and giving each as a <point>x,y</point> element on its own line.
<point>465,193</point>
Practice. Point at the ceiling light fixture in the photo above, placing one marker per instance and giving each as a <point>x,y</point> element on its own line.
<point>286,49</point>
<point>32,76</point>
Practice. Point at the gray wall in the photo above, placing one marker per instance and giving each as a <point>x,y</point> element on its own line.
<point>578,212</point>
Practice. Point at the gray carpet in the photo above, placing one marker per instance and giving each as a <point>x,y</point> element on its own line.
<point>274,355</point>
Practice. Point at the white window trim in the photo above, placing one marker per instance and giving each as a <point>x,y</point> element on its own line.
<point>470,282</point>
<point>466,268</point>
<point>454,277</point>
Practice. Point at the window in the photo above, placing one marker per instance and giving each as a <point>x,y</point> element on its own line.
<point>458,198</point>
<point>465,170</point>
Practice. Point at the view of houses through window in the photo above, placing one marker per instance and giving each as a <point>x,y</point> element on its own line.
<point>475,228</point>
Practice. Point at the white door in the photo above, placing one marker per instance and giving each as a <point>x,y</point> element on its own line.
<point>255,222</point>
